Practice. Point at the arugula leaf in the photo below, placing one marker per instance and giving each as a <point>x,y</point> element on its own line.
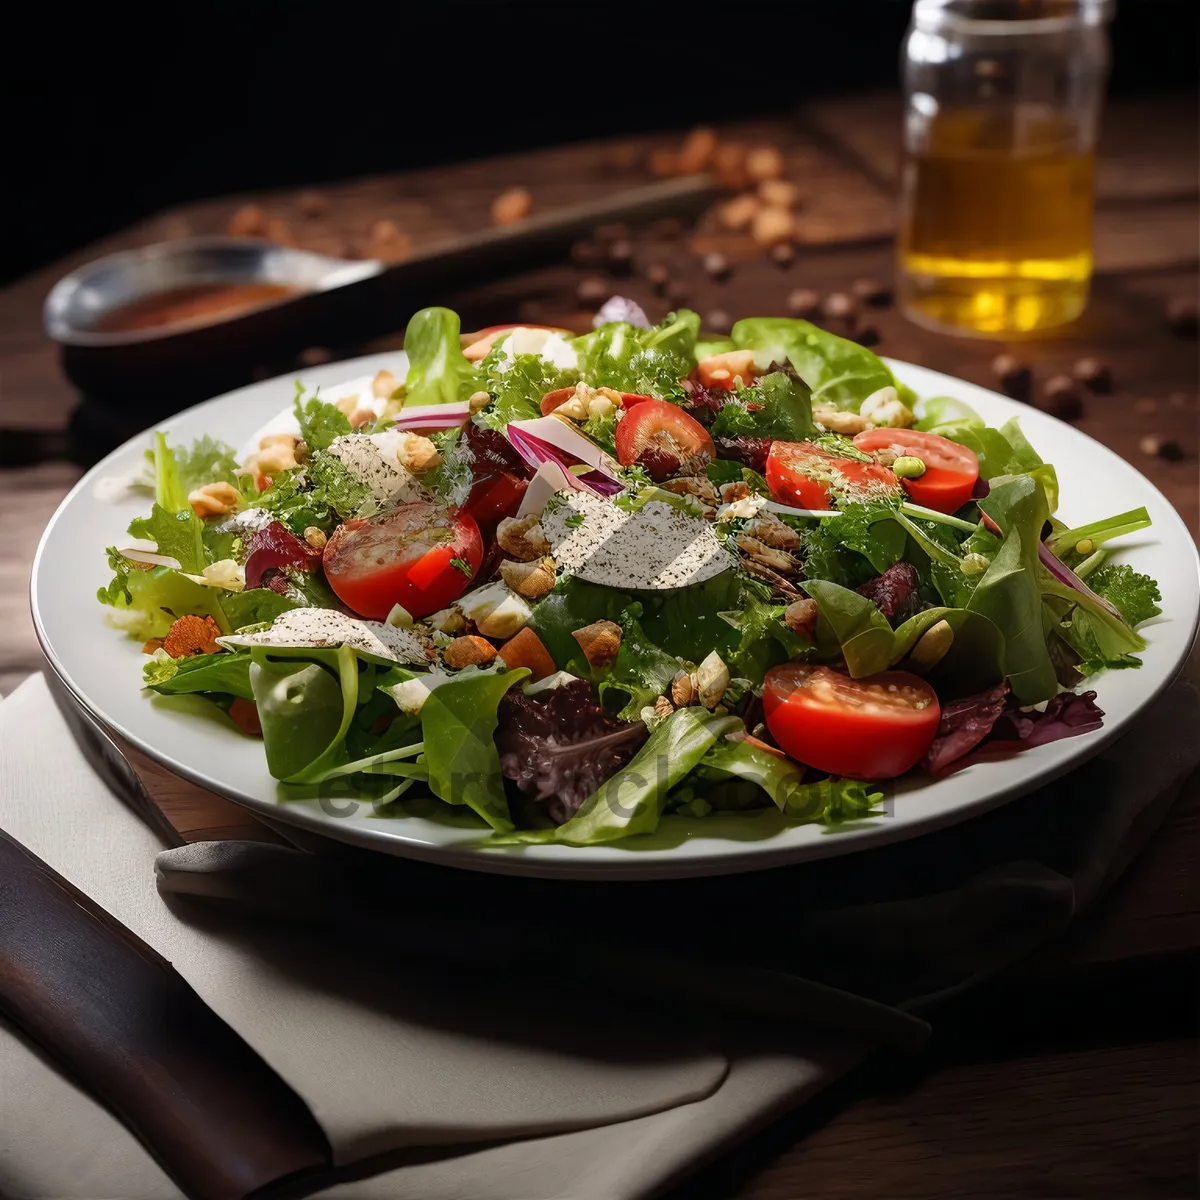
<point>227,672</point>
<point>841,373</point>
<point>320,422</point>
<point>733,419</point>
<point>786,411</point>
<point>632,800</point>
<point>1010,591</point>
<point>1134,594</point>
<point>438,371</point>
<point>458,721</point>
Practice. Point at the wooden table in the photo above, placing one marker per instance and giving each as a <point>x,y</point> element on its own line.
<point>1083,1079</point>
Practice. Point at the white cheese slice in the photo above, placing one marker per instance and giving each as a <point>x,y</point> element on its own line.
<point>550,683</point>
<point>657,547</point>
<point>548,479</point>
<point>545,343</point>
<point>410,696</point>
<point>325,628</point>
<point>371,459</point>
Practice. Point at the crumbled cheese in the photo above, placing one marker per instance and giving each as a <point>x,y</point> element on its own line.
<point>410,696</point>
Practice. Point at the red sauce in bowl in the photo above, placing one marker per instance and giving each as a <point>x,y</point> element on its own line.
<point>198,304</point>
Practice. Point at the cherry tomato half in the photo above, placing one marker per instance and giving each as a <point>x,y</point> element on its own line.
<point>799,474</point>
<point>872,728</point>
<point>662,437</point>
<point>950,469</point>
<point>406,557</point>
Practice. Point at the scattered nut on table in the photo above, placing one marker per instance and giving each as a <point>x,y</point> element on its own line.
<point>1094,374</point>
<point>771,225</point>
<point>1061,398</point>
<point>1014,376</point>
<point>803,302</point>
<point>515,204</point>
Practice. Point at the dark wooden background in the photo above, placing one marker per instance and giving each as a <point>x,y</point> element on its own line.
<point>1083,1081</point>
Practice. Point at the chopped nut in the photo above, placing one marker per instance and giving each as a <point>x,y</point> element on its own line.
<point>884,407</point>
<point>663,707</point>
<point>718,321</point>
<point>697,151</point>
<point>716,266</point>
<point>1161,447</point>
<point>361,417</point>
<point>522,538</point>
<point>683,691</point>
<point>838,306</point>
<point>248,221</point>
<point>1145,405</point>
<point>739,212</point>
<point>773,532</point>
<point>693,485</point>
<point>767,556</point>
<point>384,385</point>
<point>872,292</point>
<point>778,193</point>
<point>835,420</point>
<point>712,678</point>
<point>214,499</point>
<point>1016,378</point>
<point>764,162</point>
<point>619,257</point>
<point>771,225</point>
<point>731,493</point>
<point>658,276</point>
<point>347,404</point>
<point>276,452</point>
<point>801,617</point>
<point>599,642</point>
<point>478,400</point>
<point>529,579</point>
<point>1093,374</point>
<point>592,292</point>
<point>933,645</point>
<point>1061,398</point>
<point>1182,317</point>
<point>803,302</point>
<point>315,537</point>
<point>279,232</point>
<point>415,452</point>
<point>512,205</point>
<point>469,651</point>
<point>729,165</point>
<point>151,645</point>
<point>447,620</point>
<point>783,254</point>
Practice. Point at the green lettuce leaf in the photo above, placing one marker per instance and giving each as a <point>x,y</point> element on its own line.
<point>650,362</point>
<point>438,371</point>
<point>146,603</point>
<point>841,373</point>
<point>320,422</point>
<point>254,606</point>
<point>179,535</point>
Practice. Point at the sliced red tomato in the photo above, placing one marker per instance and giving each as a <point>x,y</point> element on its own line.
<point>494,497</point>
<point>799,474</point>
<point>629,399</point>
<point>662,437</point>
<point>950,469</point>
<point>555,399</point>
<point>872,728</point>
<point>413,557</point>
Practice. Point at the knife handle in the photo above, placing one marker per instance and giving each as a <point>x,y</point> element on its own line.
<point>119,1018</point>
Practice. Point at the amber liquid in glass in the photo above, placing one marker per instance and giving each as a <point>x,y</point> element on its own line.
<point>996,227</point>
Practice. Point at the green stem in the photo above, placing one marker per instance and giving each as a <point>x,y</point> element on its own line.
<point>929,514</point>
<point>1100,531</point>
<point>1090,563</point>
<point>932,548</point>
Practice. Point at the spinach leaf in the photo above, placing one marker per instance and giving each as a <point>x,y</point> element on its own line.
<point>1009,592</point>
<point>765,641</point>
<point>975,660</point>
<point>438,371</point>
<point>458,721</point>
<point>227,672</point>
<point>851,624</point>
<point>841,373</point>
<point>305,709</point>
<point>254,606</point>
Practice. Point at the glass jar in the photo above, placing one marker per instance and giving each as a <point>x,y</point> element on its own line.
<point>1002,106</point>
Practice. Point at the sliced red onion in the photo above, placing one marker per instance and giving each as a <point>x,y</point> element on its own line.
<point>274,548</point>
<point>429,418</point>
<point>547,439</point>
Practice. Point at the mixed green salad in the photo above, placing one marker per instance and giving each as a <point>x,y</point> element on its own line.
<point>576,584</point>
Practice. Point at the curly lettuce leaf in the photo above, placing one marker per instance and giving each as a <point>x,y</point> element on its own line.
<point>320,422</point>
<point>1136,596</point>
<point>517,386</point>
<point>650,362</point>
<point>146,603</point>
<point>322,493</point>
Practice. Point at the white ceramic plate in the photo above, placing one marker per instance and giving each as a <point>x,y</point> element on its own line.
<point>103,668</point>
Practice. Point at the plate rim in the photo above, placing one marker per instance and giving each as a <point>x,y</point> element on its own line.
<point>578,864</point>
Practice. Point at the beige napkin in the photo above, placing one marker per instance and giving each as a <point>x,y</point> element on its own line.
<point>410,1065</point>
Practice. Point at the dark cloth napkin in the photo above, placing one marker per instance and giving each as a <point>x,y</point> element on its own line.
<point>463,1035</point>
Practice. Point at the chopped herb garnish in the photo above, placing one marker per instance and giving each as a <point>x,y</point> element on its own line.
<point>462,565</point>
